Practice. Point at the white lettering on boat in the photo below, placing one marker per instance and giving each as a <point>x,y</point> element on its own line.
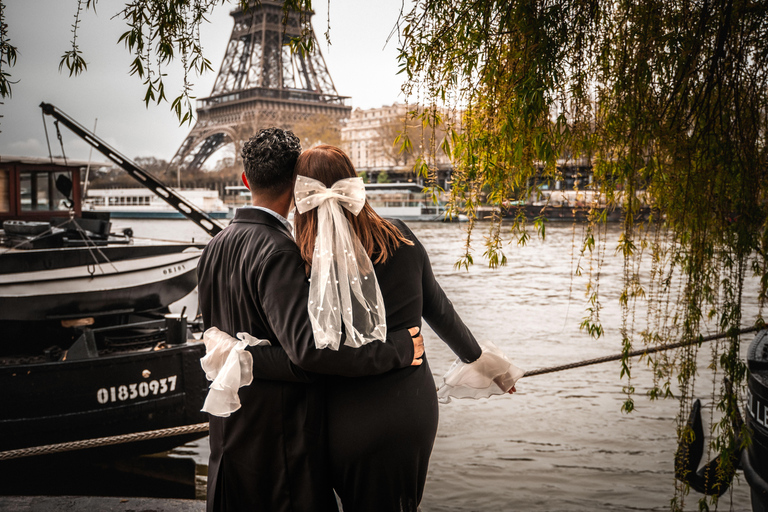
<point>757,409</point>
<point>127,392</point>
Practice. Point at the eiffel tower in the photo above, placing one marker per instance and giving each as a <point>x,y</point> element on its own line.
<point>261,83</point>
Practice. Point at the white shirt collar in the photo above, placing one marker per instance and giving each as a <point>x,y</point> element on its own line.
<point>276,215</point>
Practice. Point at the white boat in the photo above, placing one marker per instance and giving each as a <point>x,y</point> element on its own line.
<point>88,348</point>
<point>237,195</point>
<point>71,282</point>
<point>142,203</point>
<point>404,201</point>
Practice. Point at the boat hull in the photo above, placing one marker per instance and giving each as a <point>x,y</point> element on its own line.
<point>755,457</point>
<point>76,282</point>
<point>66,401</point>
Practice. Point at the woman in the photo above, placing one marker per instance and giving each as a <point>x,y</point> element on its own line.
<point>381,428</point>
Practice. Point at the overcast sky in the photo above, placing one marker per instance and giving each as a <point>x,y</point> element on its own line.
<point>358,60</point>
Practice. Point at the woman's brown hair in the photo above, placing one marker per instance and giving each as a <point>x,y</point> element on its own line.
<point>328,164</point>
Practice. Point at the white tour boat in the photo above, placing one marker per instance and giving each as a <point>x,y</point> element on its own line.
<point>143,203</point>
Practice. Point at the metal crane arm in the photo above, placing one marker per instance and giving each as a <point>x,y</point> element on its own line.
<point>186,208</point>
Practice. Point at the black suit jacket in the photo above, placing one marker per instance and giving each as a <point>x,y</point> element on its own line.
<point>271,454</point>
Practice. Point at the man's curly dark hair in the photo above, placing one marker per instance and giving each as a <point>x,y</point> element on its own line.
<point>269,158</point>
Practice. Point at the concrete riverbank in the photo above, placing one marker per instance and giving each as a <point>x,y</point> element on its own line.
<point>92,503</point>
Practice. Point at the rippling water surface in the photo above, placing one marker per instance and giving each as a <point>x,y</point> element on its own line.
<point>561,442</point>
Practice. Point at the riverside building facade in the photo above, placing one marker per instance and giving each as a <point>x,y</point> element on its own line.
<point>369,135</point>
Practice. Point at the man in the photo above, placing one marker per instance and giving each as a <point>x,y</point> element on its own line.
<point>270,455</point>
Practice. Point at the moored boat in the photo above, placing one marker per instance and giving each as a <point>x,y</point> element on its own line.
<point>88,348</point>
<point>120,379</point>
<point>72,282</point>
<point>404,201</point>
<point>142,203</point>
<point>70,265</point>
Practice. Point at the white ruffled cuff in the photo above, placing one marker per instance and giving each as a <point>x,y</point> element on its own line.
<point>491,374</point>
<point>229,366</point>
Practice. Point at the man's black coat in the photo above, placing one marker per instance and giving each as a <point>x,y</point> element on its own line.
<point>270,455</point>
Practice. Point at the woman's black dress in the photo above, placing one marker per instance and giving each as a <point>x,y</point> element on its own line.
<point>381,428</point>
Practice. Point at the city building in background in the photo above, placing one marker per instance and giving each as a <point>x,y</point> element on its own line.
<point>369,136</point>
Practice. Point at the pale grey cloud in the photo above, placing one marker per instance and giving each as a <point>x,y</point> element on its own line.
<point>29,146</point>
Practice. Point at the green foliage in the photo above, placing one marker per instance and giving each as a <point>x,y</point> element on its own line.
<point>159,32</point>
<point>382,177</point>
<point>668,101</point>
<point>73,59</point>
<point>7,56</point>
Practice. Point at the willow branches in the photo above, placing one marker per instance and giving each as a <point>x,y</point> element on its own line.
<point>667,101</point>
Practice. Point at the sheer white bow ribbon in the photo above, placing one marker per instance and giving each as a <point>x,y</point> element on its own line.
<point>492,374</point>
<point>229,366</point>
<point>343,288</point>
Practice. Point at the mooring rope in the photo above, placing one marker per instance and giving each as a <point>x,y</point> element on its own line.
<point>47,140</point>
<point>640,352</point>
<point>91,246</point>
<point>103,441</point>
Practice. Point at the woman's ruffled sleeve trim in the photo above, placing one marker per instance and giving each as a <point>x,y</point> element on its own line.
<point>491,374</point>
<point>229,366</point>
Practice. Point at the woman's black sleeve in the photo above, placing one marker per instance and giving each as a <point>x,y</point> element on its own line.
<point>442,317</point>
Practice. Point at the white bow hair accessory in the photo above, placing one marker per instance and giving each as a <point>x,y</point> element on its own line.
<point>343,289</point>
<point>229,366</point>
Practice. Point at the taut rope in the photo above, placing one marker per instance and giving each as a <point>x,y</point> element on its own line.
<point>641,352</point>
<point>102,441</point>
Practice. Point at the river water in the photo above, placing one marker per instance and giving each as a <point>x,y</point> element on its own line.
<point>561,442</point>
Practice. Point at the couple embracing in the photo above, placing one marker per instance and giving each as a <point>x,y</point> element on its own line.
<point>321,328</point>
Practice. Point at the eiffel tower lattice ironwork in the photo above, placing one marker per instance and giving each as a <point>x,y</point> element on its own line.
<point>261,83</point>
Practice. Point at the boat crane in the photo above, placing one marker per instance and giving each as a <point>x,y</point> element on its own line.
<point>186,208</point>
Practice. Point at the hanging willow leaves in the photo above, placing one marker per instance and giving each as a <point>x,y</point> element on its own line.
<point>7,56</point>
<point>667,100</point>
